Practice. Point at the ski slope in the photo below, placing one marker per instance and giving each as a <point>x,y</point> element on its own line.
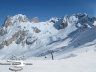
<point>84,62</point>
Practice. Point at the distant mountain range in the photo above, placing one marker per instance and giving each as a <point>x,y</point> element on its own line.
<point>62,37</point>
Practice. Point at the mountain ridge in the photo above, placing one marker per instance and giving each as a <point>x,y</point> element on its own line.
<point>20,36</point>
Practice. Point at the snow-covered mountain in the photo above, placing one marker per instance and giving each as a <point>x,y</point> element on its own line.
<point>61,37</point>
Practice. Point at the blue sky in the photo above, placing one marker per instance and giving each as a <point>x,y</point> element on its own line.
<point>45,9</point>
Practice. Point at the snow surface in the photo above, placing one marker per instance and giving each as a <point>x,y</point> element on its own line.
<point>85,62</point>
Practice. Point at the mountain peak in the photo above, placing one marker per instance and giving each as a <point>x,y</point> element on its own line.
<point>10,20</point>
<point>20,18</point>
